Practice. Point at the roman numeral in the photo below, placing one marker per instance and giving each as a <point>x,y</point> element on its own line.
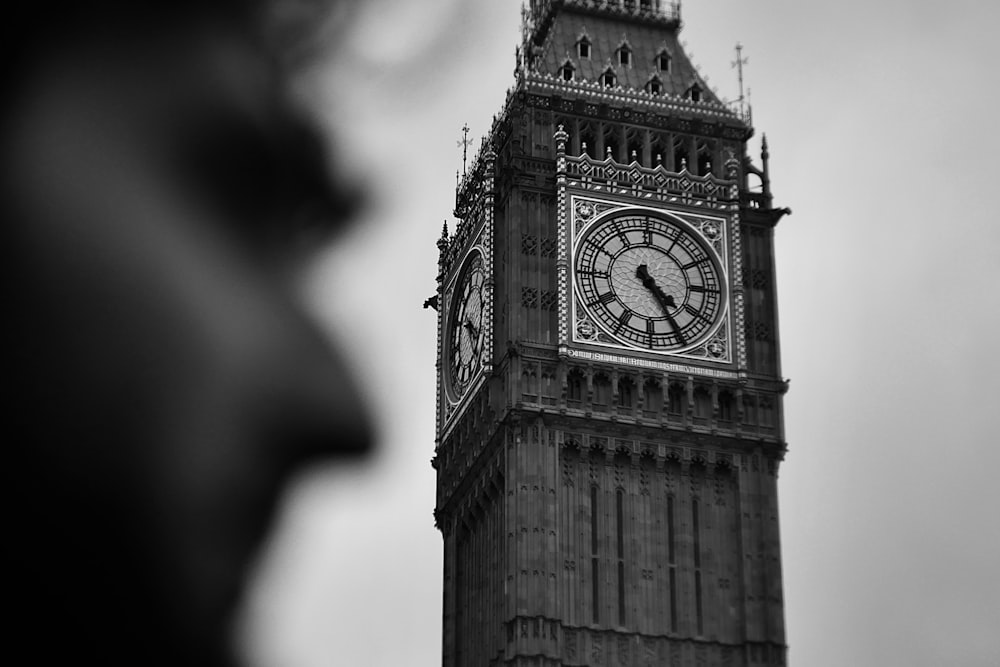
<point>623,320</point>
<point>695,263</point>
<point>622,235</point>
<point>600,248</point>
<point>595,274</point>
<point>688,308</point>
<point>604,299</point>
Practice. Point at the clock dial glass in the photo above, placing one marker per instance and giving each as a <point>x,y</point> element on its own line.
<point>465,327</point>
<point>649,282</point>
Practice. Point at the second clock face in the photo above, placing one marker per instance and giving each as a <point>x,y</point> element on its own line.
<point>466,332</point>
<point>649,282</point>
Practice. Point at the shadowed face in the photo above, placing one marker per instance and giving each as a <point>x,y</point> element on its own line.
<point>167,380</point>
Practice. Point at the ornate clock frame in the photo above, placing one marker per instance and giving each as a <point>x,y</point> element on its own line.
<point>709,208</point>
<point>474,234</point>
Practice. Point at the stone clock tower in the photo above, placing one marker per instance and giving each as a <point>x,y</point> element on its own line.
<point>609,422</point>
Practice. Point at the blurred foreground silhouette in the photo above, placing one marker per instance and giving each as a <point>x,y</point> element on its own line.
<point>157,185</point>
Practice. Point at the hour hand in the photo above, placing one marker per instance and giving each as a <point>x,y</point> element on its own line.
<point>642,273</point>
<point>472,328</point>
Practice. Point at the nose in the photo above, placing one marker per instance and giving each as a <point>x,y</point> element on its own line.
<point>313,406</point>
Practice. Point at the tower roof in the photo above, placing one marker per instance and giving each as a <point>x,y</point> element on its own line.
<point>655,66</point>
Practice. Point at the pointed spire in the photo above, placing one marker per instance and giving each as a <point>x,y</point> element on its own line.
<point>765,175</point>
<point>442,243</point>
<point>738,64</point>
<point>464,144</point>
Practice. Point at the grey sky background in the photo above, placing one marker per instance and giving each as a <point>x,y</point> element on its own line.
<point>880,119</point>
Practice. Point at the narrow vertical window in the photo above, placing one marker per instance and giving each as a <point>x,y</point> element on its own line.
<point>625,393</point>
<point>594,565</point>
<point>697,602</point>
<point>620,515</point>
<point>672,563</point>
<point>663,61</point>
<point>697,565</point>
<point>574,386</point>
<point>620,512</point>
<point>726,403</point>
<point>583,48</point>
<point>675,397</point>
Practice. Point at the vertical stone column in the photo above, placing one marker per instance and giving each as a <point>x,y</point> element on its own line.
<point>449,635</point>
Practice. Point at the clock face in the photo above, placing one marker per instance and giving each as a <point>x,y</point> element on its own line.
<point>466,335</point>
<point>649,282</point>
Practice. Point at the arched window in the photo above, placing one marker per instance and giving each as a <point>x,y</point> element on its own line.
<point>549,386</point>
<point>574,386</point>
<point>608,79</point>
<point>702,403</point>
<point>655,86</point>
<point>620,551</point>
<point>652,396</point>
<point>727,406</point>
<point>694,92</point>
<point>583,48</point>
<point>624,55</point>
<point>612,140</point>
<point>567,72</point>
<point>663,61</point>
<point>766,413</point>
<point>588,141</point>
<point>750,410</point>
<point>704,164</point>
<point>529,384</point>
<point>659,152</point>
<point>626,393</point>
<point>634,145</point>
<point>602,391</point>
<point>681,146</point>
<point>675,399</point>
<point>706,150</point>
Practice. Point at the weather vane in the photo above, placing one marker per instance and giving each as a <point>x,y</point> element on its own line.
<point>464,144</point>
<point>738,64</point>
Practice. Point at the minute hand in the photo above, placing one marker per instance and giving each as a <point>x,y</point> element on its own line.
<point>665,300</point>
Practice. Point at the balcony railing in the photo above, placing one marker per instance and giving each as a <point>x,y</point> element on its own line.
<point>666,9</point>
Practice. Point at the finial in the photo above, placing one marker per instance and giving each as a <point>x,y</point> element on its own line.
<point>442,243</point>
<point>738,64</point>
<point>607,151</point>
<point>464,144</point>
<point>583,148</point>
<point>684,163</point>
<point>659,159</point>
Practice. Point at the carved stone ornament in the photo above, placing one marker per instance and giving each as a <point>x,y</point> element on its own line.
<point>585,329</point>
<point>584,211</point>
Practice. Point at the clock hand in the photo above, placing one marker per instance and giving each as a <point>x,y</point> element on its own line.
<point>472,328</point>
<point>666,301</point>
<point>673,323</point>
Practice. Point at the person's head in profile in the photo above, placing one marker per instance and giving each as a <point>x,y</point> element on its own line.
<point>162,380</point>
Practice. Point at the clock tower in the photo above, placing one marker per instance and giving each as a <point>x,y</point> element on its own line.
<point>609,406</point>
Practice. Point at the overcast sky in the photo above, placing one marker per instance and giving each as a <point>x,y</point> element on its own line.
<point>880,119</point>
